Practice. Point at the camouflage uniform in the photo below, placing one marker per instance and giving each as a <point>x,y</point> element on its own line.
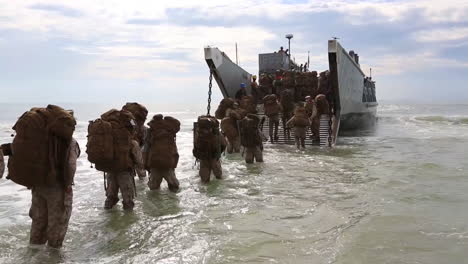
<point>233,143</point>
<point>208,166</point>
<point>157,175</point>
<point>300,135</point>
<point>124,181</point>
<point>273,123</point>
<point>214,164</point>
<point>141,172</point>
<point>51,205</point>
<point>254,152</point>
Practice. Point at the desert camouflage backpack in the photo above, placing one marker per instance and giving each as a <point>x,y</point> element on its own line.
<point>110,141</point>
<point>250,134</point>
<point>207,138</point>
<point>34,161</point>
<point>163,152</point>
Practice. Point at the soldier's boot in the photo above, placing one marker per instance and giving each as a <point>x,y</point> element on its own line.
<point>303,143</point>
<point>296,140</point>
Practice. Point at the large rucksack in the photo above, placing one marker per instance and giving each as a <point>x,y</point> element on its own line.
<point>250,134</point>
<point>206,139</point>
<point>271,106</point>
<point>287,101</point>
<point>301,118</point>
<point>138,111</point>
<point>110,141</point>
<point>223,106</point>
<point>33,161</point>
<point>229,127</point>
<point>163,151</point>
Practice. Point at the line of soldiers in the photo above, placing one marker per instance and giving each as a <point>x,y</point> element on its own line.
<point>119,145</point>
<point>300,97</point>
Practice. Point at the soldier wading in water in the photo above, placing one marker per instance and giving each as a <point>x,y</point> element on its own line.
<point>208,146</point>
<point>43,158</point>
<point>162,156</point>
<point>251,138</point>
<point>113,150</point>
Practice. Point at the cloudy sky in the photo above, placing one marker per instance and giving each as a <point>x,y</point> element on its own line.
<point>152,51</point>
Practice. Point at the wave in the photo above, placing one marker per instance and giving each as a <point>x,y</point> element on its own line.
<point>454,120</point>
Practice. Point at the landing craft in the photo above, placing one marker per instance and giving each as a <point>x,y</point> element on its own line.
<point>354,99</point>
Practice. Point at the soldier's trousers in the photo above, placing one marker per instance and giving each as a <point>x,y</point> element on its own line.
<point>254,152</point>
<point>233,145</point>
<point>273,123</point>
<point>208,166</point>
<point>140,170</point>
<point>124,182</point>
<point>50,212</point>
<point>299,136</point>
<point>157,175</point>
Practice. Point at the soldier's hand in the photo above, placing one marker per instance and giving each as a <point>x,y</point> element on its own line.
<point>68,189</point>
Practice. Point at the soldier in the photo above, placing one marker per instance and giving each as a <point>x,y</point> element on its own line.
<point>300,122</point>
<point>255,91</point>
<point>287,106</point>
<point>241,92</point>
<point>112,148</point>
<point>277,84</point>
<point>163,157</point>
<point>208,146</point>
<point>48,172</point>
<point>251,138</point>
<point>140,113</point>
<point>272,110</point>
<point>124,181</point>
<point>322,108</point>
<point>266,84</point>
<point>230,129</point>
<point>311,111</point>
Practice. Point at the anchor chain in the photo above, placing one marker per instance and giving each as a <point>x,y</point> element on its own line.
<point>210,85</point>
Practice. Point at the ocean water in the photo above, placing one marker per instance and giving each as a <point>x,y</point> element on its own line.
<point>397,194</point>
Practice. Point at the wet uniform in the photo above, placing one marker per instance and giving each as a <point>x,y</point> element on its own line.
<point>51,205</point>
<point>123,181</point>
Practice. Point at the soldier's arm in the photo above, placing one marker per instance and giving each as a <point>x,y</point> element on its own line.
<point>136,154</point>
<point>73,155</point>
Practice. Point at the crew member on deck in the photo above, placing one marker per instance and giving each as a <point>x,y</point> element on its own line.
<point>242,92</point>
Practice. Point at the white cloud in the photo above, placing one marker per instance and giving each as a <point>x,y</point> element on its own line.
<point>132,51</point>
<point>442,34</point>
<point>397,64</point>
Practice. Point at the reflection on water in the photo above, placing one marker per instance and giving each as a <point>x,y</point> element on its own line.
<point>394,194</point>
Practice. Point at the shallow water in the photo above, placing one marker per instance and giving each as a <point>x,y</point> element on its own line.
<point>393,195</point>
